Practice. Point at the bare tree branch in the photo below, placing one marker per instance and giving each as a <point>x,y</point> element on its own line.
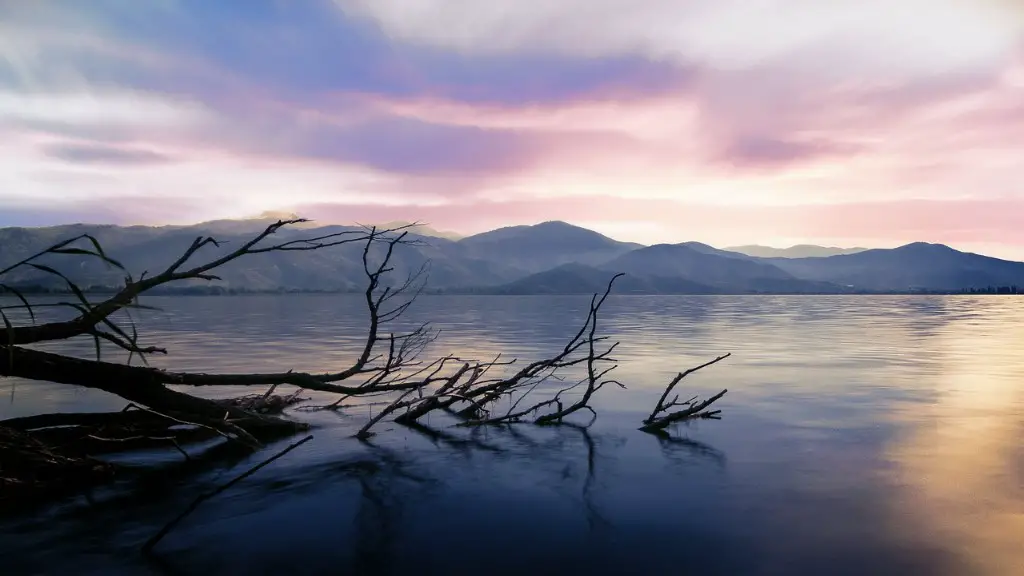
<point>661,418</point>
<point>388,362</point>
<point>406,346</point>
<point>95,314</point>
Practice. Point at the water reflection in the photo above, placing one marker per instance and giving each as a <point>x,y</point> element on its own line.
<point>682,450</point>
<point>861,435</point>
<point>366,513</point>
<point>960,477</point>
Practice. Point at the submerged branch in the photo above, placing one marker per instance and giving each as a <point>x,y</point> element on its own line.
<point>661,417</point>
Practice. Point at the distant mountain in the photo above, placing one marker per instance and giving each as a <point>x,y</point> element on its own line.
<point>244,225</point>
<point>547,258</point>
<point>798,251</point>
<point>724,273</point>
<point>705,249</point>
<point>583,279</point>
<point>544,246</point>
<point>421,229</point>
<point>141,249</point>
<point>912,267</point>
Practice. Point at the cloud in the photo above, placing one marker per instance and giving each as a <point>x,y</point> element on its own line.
<point>90,153</point>
<point>409,146</point>
<point>749,115</point>
<point>848,37</point>
<point>104,108</point>
<point>771,152</point>
<point>289,51</point>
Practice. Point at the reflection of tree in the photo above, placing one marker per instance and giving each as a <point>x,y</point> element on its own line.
<point>379,514</point>
<point>510,441</point>
<point>595,520</point>
<point>463,444</point>
<point>681,450</point>
<point>556,451</point>
<point>391,483</point>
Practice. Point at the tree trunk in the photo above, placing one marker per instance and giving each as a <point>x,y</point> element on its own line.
<point>141,385</point>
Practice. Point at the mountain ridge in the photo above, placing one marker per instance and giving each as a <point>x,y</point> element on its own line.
<point>547,258</point>
<point>795,251</point>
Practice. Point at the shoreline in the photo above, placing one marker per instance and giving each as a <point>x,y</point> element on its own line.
<point>486,292</point>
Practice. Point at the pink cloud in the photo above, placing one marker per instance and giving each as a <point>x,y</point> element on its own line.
<point>772,153</point>
<point>719,144</point>
<point>765,120</point>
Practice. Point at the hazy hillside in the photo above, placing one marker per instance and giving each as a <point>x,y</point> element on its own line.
<point>724,273</point>
<point>422,230</point>
<point>583,279</point>
<point>151,249</point>
<point>798,251</point>
<point>543,246</point>
<point>706,249</point>
<point>548,258</point>
<point>911,267</point>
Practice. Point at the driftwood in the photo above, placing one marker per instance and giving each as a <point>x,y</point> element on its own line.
<point>389,362</point>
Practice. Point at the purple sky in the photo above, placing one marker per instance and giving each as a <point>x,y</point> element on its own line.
<point>849,122</point>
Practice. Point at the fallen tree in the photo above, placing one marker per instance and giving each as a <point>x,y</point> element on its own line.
<point>390,362</point>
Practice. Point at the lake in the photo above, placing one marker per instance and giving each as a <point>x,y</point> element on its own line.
<point>860,435</point>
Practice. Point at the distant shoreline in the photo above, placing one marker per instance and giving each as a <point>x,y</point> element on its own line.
<point>217,291</point>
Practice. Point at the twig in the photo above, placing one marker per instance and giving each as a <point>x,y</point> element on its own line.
<point>661,418</point>
<point>148,546</point>
<point>242,436</point>
<point>171,439</point>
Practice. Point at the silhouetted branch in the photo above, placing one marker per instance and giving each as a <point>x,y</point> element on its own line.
<point>661,418</point>
<point>388,362</point>
<point>95,314</point>
<point>384,304</point>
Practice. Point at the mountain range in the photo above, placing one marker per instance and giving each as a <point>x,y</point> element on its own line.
<point>547,258</point>
<point>798,251</point>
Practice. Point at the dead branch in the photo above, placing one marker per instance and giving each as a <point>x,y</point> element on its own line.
<point>468,388</point>
<point>546,391</point>
<point>266,403</point>
<point>92,315</point>
<point>485,393</point>
<point>661,418</point>
<point>381,304</point>
<point>224,428</point>
<point>594,380</point>
<point>173,441</point>
<point>470,396</point>
<point>382,372</point>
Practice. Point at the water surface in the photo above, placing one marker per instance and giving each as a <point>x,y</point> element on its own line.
<point>860,435</point>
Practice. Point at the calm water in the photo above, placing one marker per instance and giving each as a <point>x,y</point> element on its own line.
<point>861,435</point>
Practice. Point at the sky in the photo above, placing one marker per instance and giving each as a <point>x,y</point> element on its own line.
<point>847,122</point>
